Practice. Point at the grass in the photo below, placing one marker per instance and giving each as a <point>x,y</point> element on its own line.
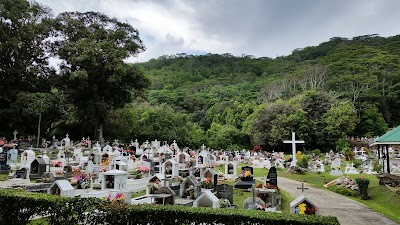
<point>381,199</point>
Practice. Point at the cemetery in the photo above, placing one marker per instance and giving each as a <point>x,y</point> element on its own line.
<point>95,132</point>
<point>94,172</point>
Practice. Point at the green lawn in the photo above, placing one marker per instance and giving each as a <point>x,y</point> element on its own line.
<point>382,199</point>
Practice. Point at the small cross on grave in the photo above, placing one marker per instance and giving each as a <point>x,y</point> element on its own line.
<point>15,134</point>
<point>203,147</point>
<point>172,142</point>
<point>67,135</point>
<point>147,143</point>
<point>294,142</point>
<point>302,188</point>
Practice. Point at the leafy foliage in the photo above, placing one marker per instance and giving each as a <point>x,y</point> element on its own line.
<point>95,211</point>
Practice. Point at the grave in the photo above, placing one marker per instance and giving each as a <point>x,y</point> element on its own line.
<point>12,156</point>
<point>246,178</point>
<point>230,171</point>
<point>119,163</point>
<point>266,164</point>
<point>254,203</point>
<point>272,177</point>
<point>350,169</point>
<point>190,188</point>
<point>27,158</point>
<point>22,173</point>
<point>210,179</point>
<point>225,191</point>
<point>4,168</point>
<point>170,168</point>
<point>48,177</point>
<point>302,205</point>
<point>206,199</point>
<point>38,167</point>
<point>114,180</point>
<point>61,188</point>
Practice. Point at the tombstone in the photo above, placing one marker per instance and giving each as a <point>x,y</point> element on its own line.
<point>67,170</point>
<point>302,205</point>
<point>225,191</point>
<point>230,170</point>
<point>22,173</point>
<point>119,163</point>
<point>12,155</point>
<point>210,175</point>
<point>48,177</point>
<point>27,158</point>
<point>318,167</point>
<point>190,188</point>
<point>61,188</point>
<point>246,180</point>
<point>3,160</point>
<point>106,148</point>
<point>337,162</point>
<point>350,169</point>
<point>271,197</point>
<point>94,157</point>
<point>38,167</point>
<point>254,202</point>
<point>170,167</point>
<point>114,179</point>
<point>206,199</point>
<point>90,167</point>
<point>77,156</point>
<point>272,177</point>
<point>67,142</point>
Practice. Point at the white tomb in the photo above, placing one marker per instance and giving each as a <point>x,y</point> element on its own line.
<point>119,163</point>
<point>266,164</point>
<point>206,199</point>
<point>170,167</point>
<point>27,158</point>
<point>114,180</point>
<point>230,170</point>
<point>12,156</point>
<point>350,169</point>
<point>294,205</point>
<point>61,188</point>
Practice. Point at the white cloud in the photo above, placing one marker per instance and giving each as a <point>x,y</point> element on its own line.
<point>257,27</point>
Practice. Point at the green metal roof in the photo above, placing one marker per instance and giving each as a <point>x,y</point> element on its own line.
<point>392,136</point>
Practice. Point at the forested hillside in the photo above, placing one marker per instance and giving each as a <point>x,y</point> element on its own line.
<point>343,87</point>
<point>326,93</point>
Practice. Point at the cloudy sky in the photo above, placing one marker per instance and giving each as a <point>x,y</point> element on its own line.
<point>254,27</point>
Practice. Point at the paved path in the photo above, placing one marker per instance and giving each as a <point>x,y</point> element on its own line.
<point>348,212</point>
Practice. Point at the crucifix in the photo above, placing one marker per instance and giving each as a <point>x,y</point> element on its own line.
<point>293,142</point>
<point>203,147</point>
<point>15,134</point>
<point>302,188</point>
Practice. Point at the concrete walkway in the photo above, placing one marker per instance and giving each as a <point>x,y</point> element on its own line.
<point>348,212</point>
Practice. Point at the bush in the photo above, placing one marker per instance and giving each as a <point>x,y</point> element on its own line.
<point>362,187</point>
<point>59,210</point>
<point>303,162</point>
<point>343,191</point>
<point>316,152</point>
<point>357,163</point>
<point>348,153</point>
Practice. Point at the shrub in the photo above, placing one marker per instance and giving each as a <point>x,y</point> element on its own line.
<point>357,163</point>
<point>303,162</point>
<point>362,187</point>
<point>59,210</point>
<point>348,153</point>
<point>316,152</point>
<point>343,191</point>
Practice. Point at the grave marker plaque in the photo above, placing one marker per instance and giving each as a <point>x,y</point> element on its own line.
<point>3,159</point>
<point>21,173</point>
<point>225,191</point>
<point>272,176</point>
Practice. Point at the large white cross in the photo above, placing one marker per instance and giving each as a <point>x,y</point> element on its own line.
<point>15,134</point>
<point>293,142</point>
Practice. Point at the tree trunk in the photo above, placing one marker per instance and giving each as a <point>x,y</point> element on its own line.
<point>99,132</point>
<point>38,130</point>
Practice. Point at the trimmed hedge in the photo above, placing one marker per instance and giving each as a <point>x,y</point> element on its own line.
<point>19,206</point>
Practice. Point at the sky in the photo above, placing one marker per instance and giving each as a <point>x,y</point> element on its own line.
<point>262,28</point>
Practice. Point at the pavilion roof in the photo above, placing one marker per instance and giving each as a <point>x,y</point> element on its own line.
<point>391,137</point>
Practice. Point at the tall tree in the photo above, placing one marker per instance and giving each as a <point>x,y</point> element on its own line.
<point>96,78</point>
<point>24,25</point>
